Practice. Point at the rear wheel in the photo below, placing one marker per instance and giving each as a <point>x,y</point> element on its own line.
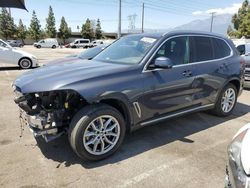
<point>25,63</point>
<point>226,101</point>
<point>96,132</point>
<point>54,46</point>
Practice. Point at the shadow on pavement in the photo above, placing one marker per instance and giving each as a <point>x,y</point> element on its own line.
<point>13,68</point>
<point>9,68</point>
<point>140,141</point>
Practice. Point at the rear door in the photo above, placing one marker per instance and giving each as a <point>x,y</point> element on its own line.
<point>210,55</point>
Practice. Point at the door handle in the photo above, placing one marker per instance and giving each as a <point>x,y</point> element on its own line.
<point>187,73</point>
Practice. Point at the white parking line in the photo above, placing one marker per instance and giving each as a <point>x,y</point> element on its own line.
<point>157,170</point>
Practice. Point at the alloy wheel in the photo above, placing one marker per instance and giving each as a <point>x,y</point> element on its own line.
<point>101,135</point>
<point>228,100</point>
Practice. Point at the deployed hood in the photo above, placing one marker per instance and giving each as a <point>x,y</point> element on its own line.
<point>62,75</point>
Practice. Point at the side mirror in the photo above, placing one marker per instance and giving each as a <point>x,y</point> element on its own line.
<point>163,63</point>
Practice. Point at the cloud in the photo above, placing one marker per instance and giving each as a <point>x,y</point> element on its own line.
<point>227,10</point>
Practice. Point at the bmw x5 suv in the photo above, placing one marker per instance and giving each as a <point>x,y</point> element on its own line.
<point>138,80</point>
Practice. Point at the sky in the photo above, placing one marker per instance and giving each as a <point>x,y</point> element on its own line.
<point>159,14</point>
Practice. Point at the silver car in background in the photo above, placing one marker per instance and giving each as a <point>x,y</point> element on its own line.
<point>238,168</point>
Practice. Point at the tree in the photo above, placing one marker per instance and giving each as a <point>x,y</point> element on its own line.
<point>241,21</point>
<point>87,30</point>
<point>98,30</point>
<point>64,31</point>
<point>7,26</point>
<point>21,31</point>
<point>35,27</point>
<point>51,24</point>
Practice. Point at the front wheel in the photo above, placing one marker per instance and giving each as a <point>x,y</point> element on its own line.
<point>96,132</point>
<point>226,101</point>
<point>25,63</point>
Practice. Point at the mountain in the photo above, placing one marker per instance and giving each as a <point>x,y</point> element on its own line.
<point>220,24</point>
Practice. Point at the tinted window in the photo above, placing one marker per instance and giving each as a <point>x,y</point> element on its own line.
<point>241,49</point>
<point>221,49</point>
<point>202,49</point>
<point>176,49</point>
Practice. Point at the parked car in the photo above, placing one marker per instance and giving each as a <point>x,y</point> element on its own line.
<point>87,54</point>
<point>238,168</point>
<point>80,43</point>
<point>136,81</point>
<point>47,43</point>
<point>244,50</point>
<point>14,56</point>
<point>96,43</point>
<point>15,43</point>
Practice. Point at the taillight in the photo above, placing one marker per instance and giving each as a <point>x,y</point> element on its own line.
<point>242,63</point>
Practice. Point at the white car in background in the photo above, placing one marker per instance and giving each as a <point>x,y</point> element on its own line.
<point>80,43</point>
<point>238,169</point>
<point>14,56</point>
<point>47,43</point>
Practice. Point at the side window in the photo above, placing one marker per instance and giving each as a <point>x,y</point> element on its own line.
<point>241,49</point>
<point>221,49</point>
<point>176,49</point>
<point>202,49</point>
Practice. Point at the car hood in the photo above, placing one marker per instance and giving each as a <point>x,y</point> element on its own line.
<point>63,60</point>
<point>62,75</point>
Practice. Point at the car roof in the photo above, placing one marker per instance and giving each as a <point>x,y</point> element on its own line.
<point>180,32</point>
<point>193,32</point>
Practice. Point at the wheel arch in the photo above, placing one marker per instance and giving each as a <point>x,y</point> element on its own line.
<point>122,107</point>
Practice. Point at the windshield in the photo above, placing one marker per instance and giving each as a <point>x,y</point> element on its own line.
<point>90,53</point>
<point>130,49</point>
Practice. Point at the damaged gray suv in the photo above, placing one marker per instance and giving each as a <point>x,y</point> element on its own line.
<point>138,80</point>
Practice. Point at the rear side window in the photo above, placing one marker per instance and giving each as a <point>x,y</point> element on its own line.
<point>202,49</point>
<point>221,49</point>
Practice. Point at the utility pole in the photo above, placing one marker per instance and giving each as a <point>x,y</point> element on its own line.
<point>9,11</point>
<point>142,21</point>
<point>212,21</point>
<point>120,20</point>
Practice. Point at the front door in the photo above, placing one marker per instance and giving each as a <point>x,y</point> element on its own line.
<point>169,90</point>
<point>6,53</point>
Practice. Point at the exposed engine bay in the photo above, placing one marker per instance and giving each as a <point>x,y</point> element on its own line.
<point>48,114</point>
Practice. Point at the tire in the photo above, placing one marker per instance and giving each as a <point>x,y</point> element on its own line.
<point>53,47</point>
<point>25,63</point>
<point>81,124</point>
<point>38,46</point>
<point>220,109</point>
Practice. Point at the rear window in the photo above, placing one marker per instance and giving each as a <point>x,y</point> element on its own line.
<point>202,49</point>
<point>241,49</point>
<point>221,49</point>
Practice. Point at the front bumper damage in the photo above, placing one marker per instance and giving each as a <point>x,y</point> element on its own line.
<point>40,126</point>
<point>48,114</point>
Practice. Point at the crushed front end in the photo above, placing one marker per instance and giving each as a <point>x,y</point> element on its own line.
<point>48,114</point>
